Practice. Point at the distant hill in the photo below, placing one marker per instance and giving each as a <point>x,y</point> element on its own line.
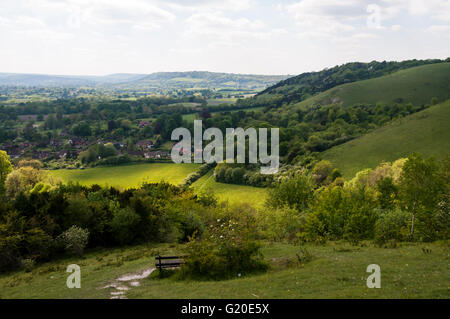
<point>426,132</point>
<point>416,85</point>
<point>301,87</point>
<point>174,80</point>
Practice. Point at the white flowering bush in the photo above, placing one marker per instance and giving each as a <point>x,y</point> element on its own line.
<point>75,239</point>
<point>227,249</point>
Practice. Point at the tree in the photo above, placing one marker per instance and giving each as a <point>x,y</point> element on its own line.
<point>387,192</point>
<point>294,192</point>
<point>82,129</point>
<point>322,170</point>
<point>5,169</point>
<point>22,180</point>
<point>420,188</point>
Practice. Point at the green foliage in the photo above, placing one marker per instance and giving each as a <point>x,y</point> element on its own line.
<point>420,189</point>
<point>123,225</point>
<point>5,169</point>
<point>28,264</point>
<point>96,152</point>
<point>281,224</point>
<point>392,225</point>
<point>387,193</point>
<point>82,129</point>
<point>295,192</point>
<point>341,213</point>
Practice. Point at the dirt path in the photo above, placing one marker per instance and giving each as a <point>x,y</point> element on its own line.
<point>121,285</point>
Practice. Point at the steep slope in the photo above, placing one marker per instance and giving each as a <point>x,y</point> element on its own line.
<point>416,85</point>
<point>426,132</point>
<point>305,85</point>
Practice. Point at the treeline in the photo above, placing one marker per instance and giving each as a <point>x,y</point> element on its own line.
<point>80,105</point>
<point>306,132</point>
<point>405,200</point>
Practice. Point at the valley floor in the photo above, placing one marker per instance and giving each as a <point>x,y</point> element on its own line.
<point>338,270</point>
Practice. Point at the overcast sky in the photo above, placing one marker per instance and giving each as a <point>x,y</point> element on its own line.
<point>239,36</point>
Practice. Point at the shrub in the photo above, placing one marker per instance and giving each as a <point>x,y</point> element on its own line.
<point>280,224</point>
<point>123,224</point>
<point>226,251</point>
<point>294,193</point>
<point>75,239</point>
<point>392,225</point>
<point>27,264</point>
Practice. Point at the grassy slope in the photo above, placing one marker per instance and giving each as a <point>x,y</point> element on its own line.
<point>233,193</point>
<point>125,176</point>
<point>426,132</point>
<point>416,85</point>
<point>337,271</point>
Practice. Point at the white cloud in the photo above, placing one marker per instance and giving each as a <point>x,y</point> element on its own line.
<point>210,5</point>
<point>221,30</point>
<point>327,17</point>
<point>247,36</point>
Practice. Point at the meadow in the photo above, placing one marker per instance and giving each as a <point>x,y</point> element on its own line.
<point>426,132</point>
<point>337,270</point>
<point>231,192</point>
<point>126,176</point>
<point>416,85</point>
<point>194,116</point>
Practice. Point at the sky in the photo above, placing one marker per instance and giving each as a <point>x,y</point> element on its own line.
<point>99,37</point>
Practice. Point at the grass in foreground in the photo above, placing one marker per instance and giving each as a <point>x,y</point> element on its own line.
<point>337,270</point>
<point>426,132</point>
<point>126,176</point>
<point>255,196</point>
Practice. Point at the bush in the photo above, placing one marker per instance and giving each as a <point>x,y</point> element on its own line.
<point>123,224</point>
<point>392,225</point>
<point>295,192</point>
<point>281,224</point>
<point>75,239</point>
<point>226,251</point>
<point>28,264</point>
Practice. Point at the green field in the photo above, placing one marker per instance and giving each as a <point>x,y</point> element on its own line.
<point>416,85</point>
<point>225,100</point>
<point>426,132</point>
<point>337,270</point>
<point>126,176</point>
<point>231,192</point>
<point>193,116</point>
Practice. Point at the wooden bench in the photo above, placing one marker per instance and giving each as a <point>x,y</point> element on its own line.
<point>168,261</point>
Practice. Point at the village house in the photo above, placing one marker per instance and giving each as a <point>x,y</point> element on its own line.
<point>143,124</point>
<point>145,145</point>
<point>157,155</point>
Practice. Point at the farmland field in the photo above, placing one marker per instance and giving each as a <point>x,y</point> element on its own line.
<point>193,116</point>
<point>231,192</point>
<point>229,100</point>
<point>126,176</point>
